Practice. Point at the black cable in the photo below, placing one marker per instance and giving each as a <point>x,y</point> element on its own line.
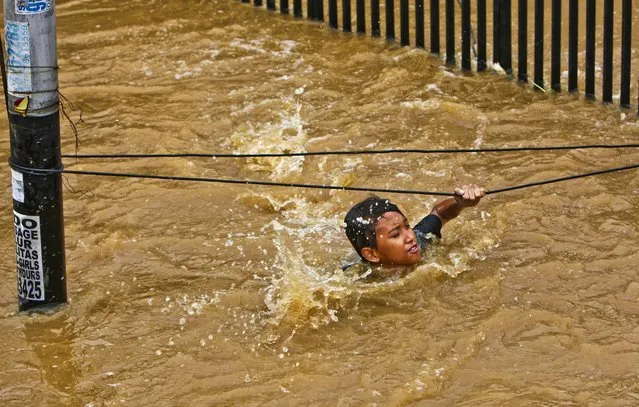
<point>551,181</point>
<point>38,171</point>
<point>254,182</point>
<point>353,152</point>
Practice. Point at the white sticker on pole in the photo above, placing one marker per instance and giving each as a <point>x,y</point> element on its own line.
<point>17,186</point>
<point>32,6</point>
<point>29,256</point>
<point>18,56</point>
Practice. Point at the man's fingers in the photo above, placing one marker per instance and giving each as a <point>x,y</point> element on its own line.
<point>478,192</point>
<point>470,192</point>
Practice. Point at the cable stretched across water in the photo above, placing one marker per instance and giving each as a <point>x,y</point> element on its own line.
<point>354,152</point>
<point>308,186</point>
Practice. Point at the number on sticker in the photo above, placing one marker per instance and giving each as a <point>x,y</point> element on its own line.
<point>29,289</point>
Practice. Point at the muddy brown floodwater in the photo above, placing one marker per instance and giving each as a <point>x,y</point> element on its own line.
<point>215,295</point>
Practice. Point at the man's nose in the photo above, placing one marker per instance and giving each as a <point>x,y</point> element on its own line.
<point>408,236</point>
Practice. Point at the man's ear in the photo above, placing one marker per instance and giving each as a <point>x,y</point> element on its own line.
<point>370,255</point>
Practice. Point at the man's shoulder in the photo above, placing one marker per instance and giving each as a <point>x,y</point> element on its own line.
<point>430,224</point>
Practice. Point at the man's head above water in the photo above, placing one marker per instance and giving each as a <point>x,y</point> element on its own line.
<point>380,232</point>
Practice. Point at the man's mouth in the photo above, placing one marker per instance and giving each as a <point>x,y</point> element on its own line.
<point>413,249</point>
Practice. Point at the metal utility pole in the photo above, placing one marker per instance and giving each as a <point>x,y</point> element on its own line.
<point>32,92</point>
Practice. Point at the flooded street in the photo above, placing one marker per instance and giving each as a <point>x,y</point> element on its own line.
<point>207,294</point>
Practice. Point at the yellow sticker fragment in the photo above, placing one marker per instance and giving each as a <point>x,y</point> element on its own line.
<point>21,105</point>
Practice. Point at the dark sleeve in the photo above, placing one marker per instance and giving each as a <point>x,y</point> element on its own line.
<point>427,228</point>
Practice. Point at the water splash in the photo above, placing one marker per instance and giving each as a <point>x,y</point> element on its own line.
<point>304,295</point>
<point>315,295</point>
<point>283,134</point>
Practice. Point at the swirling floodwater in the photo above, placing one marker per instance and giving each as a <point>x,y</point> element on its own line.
<point>205,294</point>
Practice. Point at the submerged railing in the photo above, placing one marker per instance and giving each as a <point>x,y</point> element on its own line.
<point>502,29</point>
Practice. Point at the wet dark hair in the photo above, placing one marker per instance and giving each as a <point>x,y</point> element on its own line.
<point>362,218</point>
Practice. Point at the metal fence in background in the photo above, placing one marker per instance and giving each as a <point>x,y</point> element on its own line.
<point>475,38</point>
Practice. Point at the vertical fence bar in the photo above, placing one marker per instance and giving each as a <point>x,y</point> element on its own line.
<point>573,43</point>
<point>34,131</point>
<point>607,51</point>
<point>297,8</point>
<point>270,5</point>
<point>450,32</point>
<point>481,35</point>
<point>555,47</point>
<point>310,9</point>
<point>434,26</point>
<point>539,43</point>
<point>332,13</point>
<point>361,16</point>
<point>465,63</point>
<point>390,20</point>
<point>522,69</point>
<point>626,31</point>
<point>375,30</point>
<point>284,6</point>
<point>319,13</point>
<point>403,23</point>
<point>346,16</point>
<point>591,12</point>
<point>496,31</point>
<point>419,23</point>
<point>506,56</point>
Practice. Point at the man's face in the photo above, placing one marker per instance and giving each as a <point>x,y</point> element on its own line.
<point>396,241</point>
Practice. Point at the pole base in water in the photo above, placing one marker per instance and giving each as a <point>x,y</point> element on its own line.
<point>37,210</point>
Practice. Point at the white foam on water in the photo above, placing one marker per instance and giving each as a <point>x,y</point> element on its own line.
<point>439,174</point>
<point>286,49</point>
<point>256,46</point>
<point>428,104</point>
<point>184,71</point>
<point>432,87</point>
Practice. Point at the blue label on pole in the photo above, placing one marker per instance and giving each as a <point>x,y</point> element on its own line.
<point>18,56</point>
<point>33,6</point>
